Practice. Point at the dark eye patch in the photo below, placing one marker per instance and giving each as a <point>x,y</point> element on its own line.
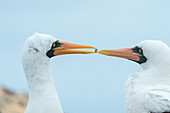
<point>56,44</point>
<point>142,58</point>
<point>137,50</point>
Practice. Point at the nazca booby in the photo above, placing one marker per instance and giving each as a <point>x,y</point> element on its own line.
<point>37,51</point>
<point>147,91</point>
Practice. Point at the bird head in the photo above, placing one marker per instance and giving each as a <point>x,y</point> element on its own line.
<point>148,53</point>
<point>41,47</point>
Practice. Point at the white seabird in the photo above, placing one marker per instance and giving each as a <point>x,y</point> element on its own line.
<point>37,51</point>
<point>147,91</point>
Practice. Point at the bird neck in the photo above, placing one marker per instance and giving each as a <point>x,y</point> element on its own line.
<point>41,86</point>
<point>162,67</point>
<point>39,79</point>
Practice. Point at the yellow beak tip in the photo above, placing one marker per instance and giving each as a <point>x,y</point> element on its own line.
<point>100,52</point>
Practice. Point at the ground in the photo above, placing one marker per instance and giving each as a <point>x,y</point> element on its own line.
<point>12,102</point>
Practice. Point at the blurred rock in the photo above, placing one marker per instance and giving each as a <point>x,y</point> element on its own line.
<point>11,102</point>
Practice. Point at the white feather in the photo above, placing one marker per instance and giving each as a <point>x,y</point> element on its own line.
<point>158,99</point>
<point>142,89</point>
<point>43,96</point>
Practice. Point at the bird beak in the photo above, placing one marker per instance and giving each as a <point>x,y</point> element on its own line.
<point>69,48</point>
<point>122,53</point>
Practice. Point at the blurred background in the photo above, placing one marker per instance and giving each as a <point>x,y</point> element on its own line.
<point>85,83</point>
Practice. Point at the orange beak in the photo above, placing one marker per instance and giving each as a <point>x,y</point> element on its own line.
<point>69,48</point>
<point>122,53</point>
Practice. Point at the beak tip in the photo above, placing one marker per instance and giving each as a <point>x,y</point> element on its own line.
<point>100,52</point>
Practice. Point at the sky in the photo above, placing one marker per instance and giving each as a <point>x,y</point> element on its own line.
<point>85,83</point>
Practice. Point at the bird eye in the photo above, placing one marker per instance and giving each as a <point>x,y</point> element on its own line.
<point>54,44</point>
<point>139,50</point>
